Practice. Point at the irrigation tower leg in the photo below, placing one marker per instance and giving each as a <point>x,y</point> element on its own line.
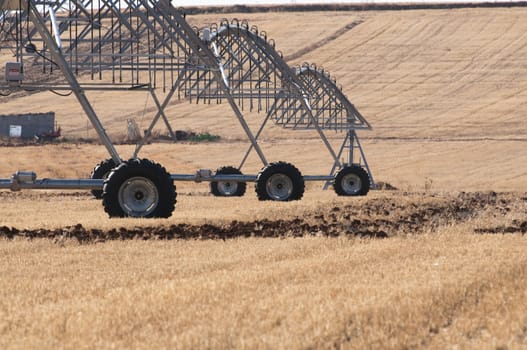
<point>359,146</point>
<point>198,45</point>
<point>59,60</point>
<point>339,154</point>
<point>256,139</point>
<point>323,137</point>
<point>352,142</point>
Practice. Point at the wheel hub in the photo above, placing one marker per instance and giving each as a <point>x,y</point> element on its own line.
<point>351,183</point>
<point>227,188</point>
<point>138,196</point>
<point>279,187</point>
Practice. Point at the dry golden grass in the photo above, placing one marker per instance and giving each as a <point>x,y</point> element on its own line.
<point>430,288</point>
<point>445,91</point>
<point>435,290</point>
<point>32,210</point>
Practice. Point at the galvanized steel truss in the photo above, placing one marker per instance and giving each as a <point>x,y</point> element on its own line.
<point>82,45</point>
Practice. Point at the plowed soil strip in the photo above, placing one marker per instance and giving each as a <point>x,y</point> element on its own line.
<point>516,227</point>
<point>376,218</point>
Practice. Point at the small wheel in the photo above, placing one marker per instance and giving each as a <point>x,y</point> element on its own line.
<point>352,181</point>
<point>228,188</point>
<point>280,182</point>
<point>139,188</point>
<point>101,171</point>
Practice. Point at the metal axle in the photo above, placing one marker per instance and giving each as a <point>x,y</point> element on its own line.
<point>26,180</point>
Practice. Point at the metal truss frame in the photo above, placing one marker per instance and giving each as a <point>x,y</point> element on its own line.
<point>138,45</point>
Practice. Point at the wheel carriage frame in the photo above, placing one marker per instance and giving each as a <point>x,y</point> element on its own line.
<point>79,46</point>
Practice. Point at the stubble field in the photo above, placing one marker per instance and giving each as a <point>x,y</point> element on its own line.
<point>438,263</point>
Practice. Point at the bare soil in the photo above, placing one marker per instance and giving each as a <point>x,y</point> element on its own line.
<point>375,218</point>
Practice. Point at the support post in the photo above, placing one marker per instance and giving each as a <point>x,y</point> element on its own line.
<point>59,60</point>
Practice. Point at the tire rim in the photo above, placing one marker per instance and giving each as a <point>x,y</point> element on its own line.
<point>138,196</point>
<point>227,188</point>
<point>279,187</point>
<point>351,183</point>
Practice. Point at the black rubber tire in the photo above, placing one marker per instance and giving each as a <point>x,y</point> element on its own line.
<point>136,182</point>
<point>352,181</point>
<point>217,187</point>
<point>279,181</point>
<point>101,171</point>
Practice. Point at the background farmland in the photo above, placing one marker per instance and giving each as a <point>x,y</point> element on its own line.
<point>440,262</point>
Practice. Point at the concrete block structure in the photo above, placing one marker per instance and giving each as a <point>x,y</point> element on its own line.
<point>27,125</point>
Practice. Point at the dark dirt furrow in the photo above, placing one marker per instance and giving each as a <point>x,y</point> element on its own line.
<point>376,218</point>
<point>324,41</point>
<point>516,227</point>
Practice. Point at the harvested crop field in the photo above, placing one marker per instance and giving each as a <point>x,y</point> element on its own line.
<point>391,270</point>
<point>434,259</point>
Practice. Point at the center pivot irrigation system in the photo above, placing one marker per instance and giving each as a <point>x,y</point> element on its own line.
<point>77,46</point>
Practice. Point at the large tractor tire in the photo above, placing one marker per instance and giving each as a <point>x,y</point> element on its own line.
<point>280,182</point>
<point>101,171</point>
<point>228,188</point>
<point>139,188</point>
<point>352,181</point>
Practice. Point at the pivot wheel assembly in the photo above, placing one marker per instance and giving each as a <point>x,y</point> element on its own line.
<point>139,188</point>
<point>352,181</point>
<point>144,46</point>
<point>228,188</point>
<point>280,182</point>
